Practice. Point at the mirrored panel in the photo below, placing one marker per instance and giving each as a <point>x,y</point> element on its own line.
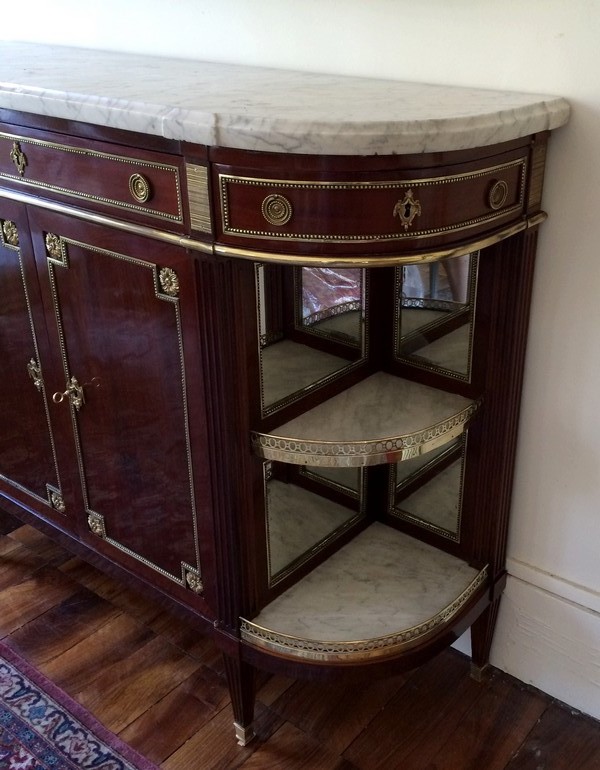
<point>312,327</point>
<point>348,480</point>
<point>434,314</point>
<point>427,490</point>
<point>306,511</point>
<point>330,302</point>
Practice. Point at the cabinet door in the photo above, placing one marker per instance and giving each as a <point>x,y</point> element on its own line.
<point>29,467</point>
<point>121,312</point>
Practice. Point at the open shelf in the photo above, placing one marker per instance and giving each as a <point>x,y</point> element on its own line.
<point>382,419</point>
<point>382,592</point>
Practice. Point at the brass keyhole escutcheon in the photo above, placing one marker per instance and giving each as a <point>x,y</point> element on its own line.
<point>73,393</point>
<point>276,209</point>
<point>18,157</point>
<point>139,187</point>
<point>407,209</point>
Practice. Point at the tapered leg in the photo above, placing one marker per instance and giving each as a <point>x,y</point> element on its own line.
<point>241,680</point>
<point>482,633</point>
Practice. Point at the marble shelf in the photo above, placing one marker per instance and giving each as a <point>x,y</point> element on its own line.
<point>382,419</point>
<point>257,108</point>
<point>380,593</point>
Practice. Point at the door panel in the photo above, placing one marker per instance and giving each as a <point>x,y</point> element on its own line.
<point>29,467</point>
<point>117,301</point>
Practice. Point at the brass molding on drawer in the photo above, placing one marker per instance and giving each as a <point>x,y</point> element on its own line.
<point>393,208</point>
<point>99,176</point>
<point>323,260</point>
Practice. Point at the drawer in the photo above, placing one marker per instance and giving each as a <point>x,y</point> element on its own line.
<point>374,213</point>
<point>139,185</point>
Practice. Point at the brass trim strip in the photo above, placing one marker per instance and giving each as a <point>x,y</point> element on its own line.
<point>198,196</point>
<point>360,650</point>
<point>349,454</point>
<point>399,185</point>
<point>324,260</point>
<point>101,219</point>
<point>381,260</point>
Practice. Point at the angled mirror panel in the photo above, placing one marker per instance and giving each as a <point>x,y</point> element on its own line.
<point>330,302</point>
<point>312,329</point>
<point>434,314</point>
<point>305,512</point>
<point>427,490</point>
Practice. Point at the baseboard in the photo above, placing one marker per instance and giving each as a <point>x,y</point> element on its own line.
<point>548,639</point>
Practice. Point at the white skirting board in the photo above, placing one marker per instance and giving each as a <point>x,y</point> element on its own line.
<point>548,636</point>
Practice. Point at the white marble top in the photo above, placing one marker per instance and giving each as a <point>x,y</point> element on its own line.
<point>264,109</point>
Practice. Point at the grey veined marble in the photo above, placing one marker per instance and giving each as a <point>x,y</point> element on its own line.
<point>379,584</point>
<point>264,109</point>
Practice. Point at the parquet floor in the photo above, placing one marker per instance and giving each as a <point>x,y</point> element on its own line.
<point>160,686</point>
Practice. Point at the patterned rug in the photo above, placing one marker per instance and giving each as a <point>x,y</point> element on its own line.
<point>42,728</point>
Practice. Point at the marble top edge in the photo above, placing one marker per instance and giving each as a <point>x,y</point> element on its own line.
<point>261,108</point>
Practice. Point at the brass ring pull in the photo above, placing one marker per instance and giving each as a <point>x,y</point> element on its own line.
<point>497,194</point>
<point>139,187</point>
<point>276,209</point>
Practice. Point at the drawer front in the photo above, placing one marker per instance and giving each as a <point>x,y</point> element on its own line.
<point>140,185</point>
<point>374,215</point>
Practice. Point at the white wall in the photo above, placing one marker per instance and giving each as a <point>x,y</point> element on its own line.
<point>549,629</point>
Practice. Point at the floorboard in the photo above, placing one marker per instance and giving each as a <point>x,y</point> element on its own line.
<point>160,685</point>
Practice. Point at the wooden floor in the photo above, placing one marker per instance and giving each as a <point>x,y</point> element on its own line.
<point>161,688</point>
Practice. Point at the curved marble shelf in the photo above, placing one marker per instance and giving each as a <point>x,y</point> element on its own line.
<point>382,419</point>
<point>379,595</point>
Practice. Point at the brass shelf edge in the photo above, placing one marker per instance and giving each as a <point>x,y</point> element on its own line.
<point>358,454</point>
<point>324,260</point>
<point>382,260</point>
<point>326,651</point>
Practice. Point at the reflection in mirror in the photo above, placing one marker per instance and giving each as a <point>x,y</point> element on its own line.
<point>303,517</point>
<point>330,302</point>
<point>427,490</point>
<point>348,480</point>
<point>311,326</point>
<point>435,309</point>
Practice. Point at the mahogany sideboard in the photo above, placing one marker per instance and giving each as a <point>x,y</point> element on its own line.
<point>262,339</point>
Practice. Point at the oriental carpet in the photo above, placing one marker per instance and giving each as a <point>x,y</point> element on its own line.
<point>42,728</point>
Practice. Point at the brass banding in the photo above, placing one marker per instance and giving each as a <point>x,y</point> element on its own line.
<point>359,454</point>
<point>408,257</point>
<point>406,209</point>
